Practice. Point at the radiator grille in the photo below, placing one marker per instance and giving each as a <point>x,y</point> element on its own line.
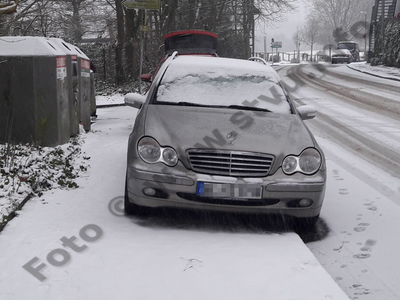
<point>230,163</point>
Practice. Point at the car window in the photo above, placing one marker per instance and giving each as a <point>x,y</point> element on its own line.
<point>349,46</point>
<point>222,85</point>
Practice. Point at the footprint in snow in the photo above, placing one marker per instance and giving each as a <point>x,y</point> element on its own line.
<point>362,256</point>
<point>368,245</point>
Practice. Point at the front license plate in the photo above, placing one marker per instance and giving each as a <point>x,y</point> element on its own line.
<point>229,190</point>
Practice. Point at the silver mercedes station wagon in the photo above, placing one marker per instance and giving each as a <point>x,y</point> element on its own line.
<point>223,134</point>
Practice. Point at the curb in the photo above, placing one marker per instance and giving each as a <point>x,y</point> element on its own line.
<point>373,74</point>
<point>110,105</point>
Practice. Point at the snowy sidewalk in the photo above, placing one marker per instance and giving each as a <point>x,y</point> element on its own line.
<point>156,258</point>
<point>103,101</point>
<point>378,71</point>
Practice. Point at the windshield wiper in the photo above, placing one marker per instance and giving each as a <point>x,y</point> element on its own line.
<point>249,108</point>
<point>182,103</point>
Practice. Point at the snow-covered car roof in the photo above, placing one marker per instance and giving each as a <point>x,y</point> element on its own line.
<point>220,66</point>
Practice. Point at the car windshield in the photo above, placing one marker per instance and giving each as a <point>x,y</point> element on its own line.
<point>222,83</point>
<point>349,46</point>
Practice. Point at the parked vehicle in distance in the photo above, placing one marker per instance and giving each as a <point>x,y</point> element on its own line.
<point>352,47</point>
<point>220,134</point>
<point>341,56</point>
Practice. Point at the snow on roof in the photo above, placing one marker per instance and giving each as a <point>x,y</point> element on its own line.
<point>7,7</point>
<point>35,46</point>
<point>223,66</point>
<point>28,46</point>
<point>68,48</point>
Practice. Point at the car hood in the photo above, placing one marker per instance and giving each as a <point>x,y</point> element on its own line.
<point>185,127</point>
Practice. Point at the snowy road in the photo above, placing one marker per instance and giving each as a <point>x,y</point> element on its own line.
<point>358,126</point>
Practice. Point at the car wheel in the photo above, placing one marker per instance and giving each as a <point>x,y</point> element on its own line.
<point>133,209</point>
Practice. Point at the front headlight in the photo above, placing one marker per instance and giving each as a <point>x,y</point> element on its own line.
<point>170,156</point>
<point>308,162</point>
<point>151,152</point>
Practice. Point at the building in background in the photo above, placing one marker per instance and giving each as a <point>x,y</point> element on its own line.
<point>381,11</point>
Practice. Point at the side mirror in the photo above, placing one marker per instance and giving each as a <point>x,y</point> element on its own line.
<point>307,112</point>
<point>146,78</point>
<point>134,100</point>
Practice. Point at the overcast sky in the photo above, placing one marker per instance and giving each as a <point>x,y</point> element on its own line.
<point>283,31</point>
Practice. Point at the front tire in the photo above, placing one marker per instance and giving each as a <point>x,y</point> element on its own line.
<point>131,208</point>
<point>306,224</point>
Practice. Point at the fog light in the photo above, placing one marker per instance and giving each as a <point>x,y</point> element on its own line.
<point>149,191</point>
<point>305,202</point>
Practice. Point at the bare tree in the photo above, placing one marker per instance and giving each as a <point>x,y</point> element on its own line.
<point>69,19</point>
<point>310,32</point>
<point>120,41</point>
<point>338,17</point>
<point>82,20</point>
<point>296,39</point>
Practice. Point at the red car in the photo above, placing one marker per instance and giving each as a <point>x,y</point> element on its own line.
<point>187,42</point>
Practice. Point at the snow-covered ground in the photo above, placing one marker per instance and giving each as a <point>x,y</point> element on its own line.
<point>105,100</point>
<point>170,256</point>
<point>379,71</point>
<point>27,170</point>
<point>163,257</point>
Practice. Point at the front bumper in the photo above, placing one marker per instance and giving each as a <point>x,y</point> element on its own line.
<point>280,193</point>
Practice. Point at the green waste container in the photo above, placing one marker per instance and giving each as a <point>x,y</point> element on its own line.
<point>34,100</point>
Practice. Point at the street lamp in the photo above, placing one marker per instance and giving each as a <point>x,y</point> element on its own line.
<point>365,36</point>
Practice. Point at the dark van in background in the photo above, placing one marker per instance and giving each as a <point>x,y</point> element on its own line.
<point>353,47</point>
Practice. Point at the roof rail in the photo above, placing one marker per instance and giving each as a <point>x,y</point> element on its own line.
<point>174,55</point>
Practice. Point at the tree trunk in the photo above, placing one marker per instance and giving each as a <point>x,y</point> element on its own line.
<point>248,20</point>
<point>120,42</point>
<point>76,21</point>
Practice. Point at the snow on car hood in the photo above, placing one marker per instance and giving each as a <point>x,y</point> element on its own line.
<point>184,127</point>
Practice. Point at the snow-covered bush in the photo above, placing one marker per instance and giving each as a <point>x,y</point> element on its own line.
<point>31,170</point>
<point>388,52</point>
